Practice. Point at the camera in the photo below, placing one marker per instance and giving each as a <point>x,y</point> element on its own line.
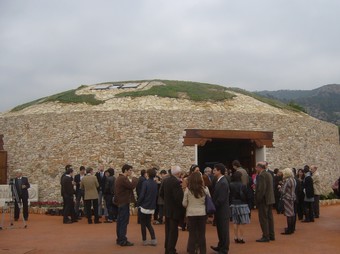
<point>11,181</point>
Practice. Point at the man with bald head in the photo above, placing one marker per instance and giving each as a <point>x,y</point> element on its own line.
<point>172,193</point>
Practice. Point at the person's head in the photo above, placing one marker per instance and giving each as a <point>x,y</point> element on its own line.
<point>294,171</point>
<point>300,173</point>
<point>219,169</point>
<point>101,168</point>
<point>163,173</point>
<point>82,169</point>
<point>18,173</point>
<point>313,169</point>
<point>287,172</point>
<point>69,171</point>
<point>236,177</point>
<point>89,170</point>
<point>194,168</point>
<point>306,169</point>
<point>260,166</point>
<point>276,170</point>
<point>127,169</point>
<point>236,164</point>
<point>207,171</point>
<point>111,171</point>
<point>195,184</point>
<point>143,173</point>
<point>67,167</point>
<point>106,173</point>
<point>176,171</point>
<point>151,172</point>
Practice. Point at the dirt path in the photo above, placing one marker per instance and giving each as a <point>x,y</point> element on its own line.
<point>46,234</point>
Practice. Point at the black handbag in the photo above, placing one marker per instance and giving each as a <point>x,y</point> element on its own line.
<point>209,205</point>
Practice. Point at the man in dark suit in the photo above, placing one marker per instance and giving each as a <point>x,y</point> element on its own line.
<point>172,194</point>
<point>68,192</point>
<point>221,201</point>
<point>21,186</point>
<point>79,192</point>
<point>101,180</point>
<point>264,198</point>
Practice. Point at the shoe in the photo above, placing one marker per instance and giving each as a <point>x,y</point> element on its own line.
<point>97,222</point>
<point>236,240</point>
<point>157,222</point>
<point>286,233</point>
<point>146,243</point>
<point>67,222</point>
<point>89,221</point>
<point>262,240</point>
<point>16,219</point>
<point>153,242</point>
<point>127,243</point>
<point>306,221</point>
<point>108,221</point>
<point>241,241</point>
<point>74,220</point>
<point>271,238</point>
<point>215,248</point>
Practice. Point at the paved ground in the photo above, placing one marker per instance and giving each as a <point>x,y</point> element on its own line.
<point>47,234</point>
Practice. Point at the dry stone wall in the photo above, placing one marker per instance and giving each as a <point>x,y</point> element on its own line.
<point>149,131</point>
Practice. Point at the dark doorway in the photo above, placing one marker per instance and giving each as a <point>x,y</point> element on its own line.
<point>3,167</point>
<point>225,151</point>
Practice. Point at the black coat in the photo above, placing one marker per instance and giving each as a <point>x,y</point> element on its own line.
<point>22,192</point>
<point>172,193</point>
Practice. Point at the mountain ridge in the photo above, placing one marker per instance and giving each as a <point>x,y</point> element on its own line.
<point>322,103</point>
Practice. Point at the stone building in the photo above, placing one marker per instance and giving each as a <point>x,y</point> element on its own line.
<point>153,131</point>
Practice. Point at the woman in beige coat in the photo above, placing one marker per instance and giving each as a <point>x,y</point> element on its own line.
<point>194,202</point>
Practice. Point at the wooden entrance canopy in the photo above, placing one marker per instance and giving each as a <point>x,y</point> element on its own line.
<point>201,137</point>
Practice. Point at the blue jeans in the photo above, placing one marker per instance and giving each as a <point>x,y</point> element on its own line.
<point>122,222</point>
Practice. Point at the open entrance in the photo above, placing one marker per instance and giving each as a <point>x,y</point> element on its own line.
<point>214,146</point>
<point>225,151</point>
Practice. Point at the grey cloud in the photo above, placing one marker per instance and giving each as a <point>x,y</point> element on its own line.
<point>51,46</point>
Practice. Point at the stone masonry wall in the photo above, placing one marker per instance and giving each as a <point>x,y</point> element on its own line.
<point>149,131</point>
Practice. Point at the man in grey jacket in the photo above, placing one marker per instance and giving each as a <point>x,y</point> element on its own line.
<point>264,198</point>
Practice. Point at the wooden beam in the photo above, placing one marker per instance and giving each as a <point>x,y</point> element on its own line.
<point>195,136</point>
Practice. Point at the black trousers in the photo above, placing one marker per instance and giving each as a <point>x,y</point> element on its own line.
<point>68,209</point>
<point>91,203</point>
<point>24,202</point>
<point>196,227</point>
<point>145,223</point>
<point>171,235</point>
<point>222,225</point>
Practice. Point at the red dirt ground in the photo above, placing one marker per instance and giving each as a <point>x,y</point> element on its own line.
<point>46,234</point>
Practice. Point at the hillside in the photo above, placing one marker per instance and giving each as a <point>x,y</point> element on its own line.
<point>322,103</point>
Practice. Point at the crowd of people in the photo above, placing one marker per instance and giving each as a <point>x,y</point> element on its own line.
<point>178,200</point>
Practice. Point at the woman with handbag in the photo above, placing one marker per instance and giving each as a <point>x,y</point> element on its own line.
<point>194,202</point>
<point>239,206</point>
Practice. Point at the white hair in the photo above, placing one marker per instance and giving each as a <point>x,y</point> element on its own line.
<point>18,171</point>
<point>287,172</point>
<point>175,170</point>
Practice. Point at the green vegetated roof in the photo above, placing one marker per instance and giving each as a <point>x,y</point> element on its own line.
<point>184,89</point>
<point>194,91</point>
<point>69,96</point>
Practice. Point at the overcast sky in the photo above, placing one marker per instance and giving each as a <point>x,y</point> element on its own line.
<point>50,46</point>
